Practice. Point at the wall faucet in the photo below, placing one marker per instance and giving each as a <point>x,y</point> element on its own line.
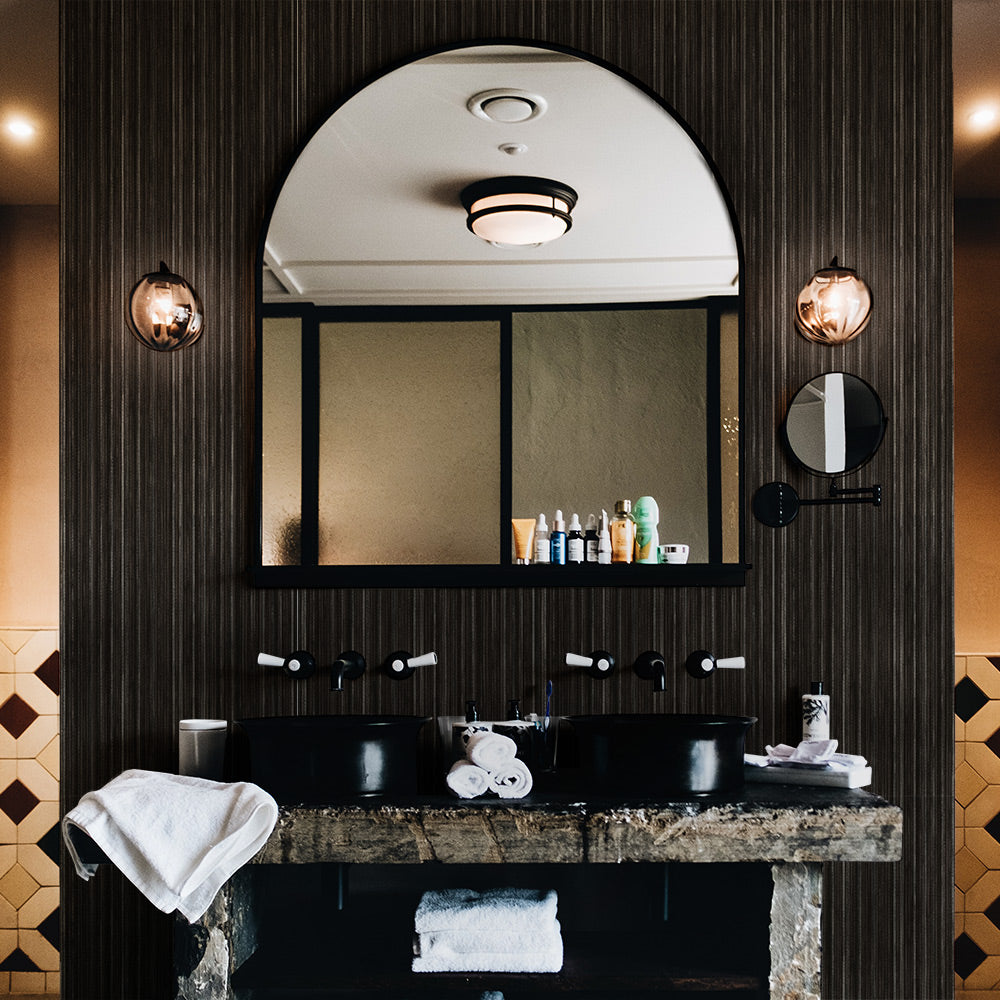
<point>349,666</point>
<point>650,666</point>
<point>298,665</point>
<point>401,664</point>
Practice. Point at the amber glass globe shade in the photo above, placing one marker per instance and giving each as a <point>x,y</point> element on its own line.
<point>164,311</point>
<point>834,307</point>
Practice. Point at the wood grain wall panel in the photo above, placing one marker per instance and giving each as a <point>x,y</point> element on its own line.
<point>831,125</point>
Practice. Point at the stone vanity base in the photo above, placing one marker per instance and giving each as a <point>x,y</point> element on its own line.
<point>783,831</point>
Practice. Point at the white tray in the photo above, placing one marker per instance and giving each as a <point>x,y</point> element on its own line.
<point>856,777</point>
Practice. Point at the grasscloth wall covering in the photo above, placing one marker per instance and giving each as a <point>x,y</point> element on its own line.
<point>831,124</point>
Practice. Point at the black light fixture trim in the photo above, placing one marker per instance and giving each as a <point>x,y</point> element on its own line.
<point>539,186</point>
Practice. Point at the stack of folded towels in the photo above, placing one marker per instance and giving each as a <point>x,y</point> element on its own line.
<point>498,930</point>
<point>490,765</point>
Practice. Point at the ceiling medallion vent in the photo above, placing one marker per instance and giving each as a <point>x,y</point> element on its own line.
<point>507,106</point>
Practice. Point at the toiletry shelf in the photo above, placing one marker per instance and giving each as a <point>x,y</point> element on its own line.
<point>367,962</point>
<point>661,575</point>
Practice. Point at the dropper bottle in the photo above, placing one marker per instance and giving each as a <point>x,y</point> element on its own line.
<point>558,540</point>
<point>590,541</point>
<point>604,541</point>
<point>574,542</point>
<point>542,549</point>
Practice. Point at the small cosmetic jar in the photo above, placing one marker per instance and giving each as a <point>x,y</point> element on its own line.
<point>674,553</point>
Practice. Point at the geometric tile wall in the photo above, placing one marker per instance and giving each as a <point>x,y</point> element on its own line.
<point>977,827</point>
<point>29,811</point>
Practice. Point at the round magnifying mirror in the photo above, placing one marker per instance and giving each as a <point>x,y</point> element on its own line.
<point>835,423</point>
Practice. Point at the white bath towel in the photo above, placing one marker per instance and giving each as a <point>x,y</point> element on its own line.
<point>177,839</point>
<point>467,780</point>
<point>492,961</point>
<point>508,938</point>
<point>490,750</point>
<point>488,912</point>
<point>511,780</point>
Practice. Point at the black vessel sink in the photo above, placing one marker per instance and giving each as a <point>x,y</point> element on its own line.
<point>662,754</point>
<point>318,759</point>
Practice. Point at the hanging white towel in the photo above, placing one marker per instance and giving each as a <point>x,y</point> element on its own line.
<point>177,839</point>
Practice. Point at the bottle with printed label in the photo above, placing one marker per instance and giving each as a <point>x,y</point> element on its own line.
<point>558,537</point>
<point>604,541</point>
<point>542,549</point>
<point>816,713</point>
<point>574,542</point>
<point>623,533</point>
<point>647,540</point>
<point>590,541</point>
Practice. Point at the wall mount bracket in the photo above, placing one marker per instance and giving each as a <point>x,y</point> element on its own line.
<point>777,504</point>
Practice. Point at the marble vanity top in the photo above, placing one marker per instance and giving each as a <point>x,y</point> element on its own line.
<point>771,823</point>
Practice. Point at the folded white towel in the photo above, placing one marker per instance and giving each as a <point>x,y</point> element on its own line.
<point>177,839</point>
<point>509,939</point>
<point>815,752</point>
<point>473,912</point>
<point>490,750</point>
<point>488,961</point>
<point>467,780</point>
<point>511,780</point>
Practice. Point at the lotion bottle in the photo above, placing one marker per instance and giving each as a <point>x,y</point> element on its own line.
<point>574,542</point>
<point>816,713</point>
<point>542,549</point>
<point>590,540</point>
<point>623,533</point>
<point>647,539</point>
<point>558,540</point>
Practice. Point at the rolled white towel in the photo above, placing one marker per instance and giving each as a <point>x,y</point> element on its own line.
<point>490,750</point>
<point>467,780</point>
<point>511,780</point>
<point>472,912</point>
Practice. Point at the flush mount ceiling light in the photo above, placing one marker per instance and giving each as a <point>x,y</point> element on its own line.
<point>507,106</point>
<point>164,311</point>
<point>834,307</point>
<point>518,211</point>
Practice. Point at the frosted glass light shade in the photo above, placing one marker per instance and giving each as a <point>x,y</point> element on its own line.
<point>834,307</point>
<point>519,211</point>
<point>164,311</point>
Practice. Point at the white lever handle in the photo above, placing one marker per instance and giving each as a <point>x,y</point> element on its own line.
<point>731,663</point>
<point>424,660</point>
<point>269,660</point>
<point>298,664</point>
<point>599,664</point>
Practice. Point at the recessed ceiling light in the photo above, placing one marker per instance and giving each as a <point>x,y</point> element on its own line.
<point>984,116</point>
<point>507,106</point>
<point>20,128</point>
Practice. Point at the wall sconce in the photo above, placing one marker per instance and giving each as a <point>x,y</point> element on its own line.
<point>164,311</point>
<point>834,307</point>
<point>518,211</point>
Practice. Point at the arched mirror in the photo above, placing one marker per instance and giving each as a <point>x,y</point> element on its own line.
<point>423,380</point>
<point>834,424</point>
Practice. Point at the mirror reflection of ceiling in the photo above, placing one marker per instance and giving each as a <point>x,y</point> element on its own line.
<point>370,211</point>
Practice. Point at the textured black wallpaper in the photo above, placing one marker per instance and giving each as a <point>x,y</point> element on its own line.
<point>831,125</point>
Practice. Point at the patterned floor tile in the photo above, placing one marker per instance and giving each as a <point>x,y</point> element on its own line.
<point>37,823</point>
<point>980,896</point>
<point>45,728</point>
<point>959,911</point>
<point>984,673</point>
<point>48,756</point>
<point>17,801</point>
<point>959,668</point>
<point>969,698</point>
<point>8,914</point>
<point>968,783</point>
<point>27,982</point>
<point>978,812</point>
<point>983,846</point>
<point>41,784</point>
<point>34,945</point>
<point>968,869</point>
<point>46,702</point>
<point>38,864</point>
<point>41,644</point>
<point>968,956</point>
<point>978,729</point>
<point>13,639</point>
<point>17,886</point>
<point>983,761</point>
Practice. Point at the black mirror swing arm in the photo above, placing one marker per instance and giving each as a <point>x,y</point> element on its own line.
<point>777,504</point>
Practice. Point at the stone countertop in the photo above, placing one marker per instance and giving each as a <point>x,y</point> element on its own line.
<point>771,823</point>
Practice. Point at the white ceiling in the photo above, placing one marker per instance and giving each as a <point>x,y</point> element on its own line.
<point>29,75</point>
<point>370,213</point>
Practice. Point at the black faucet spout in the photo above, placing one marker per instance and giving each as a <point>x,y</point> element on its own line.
<point>650,666</point>
<point>349,666</point>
